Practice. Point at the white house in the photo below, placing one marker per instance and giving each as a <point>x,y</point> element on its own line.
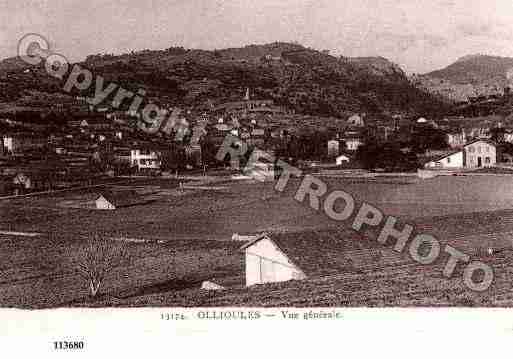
<point>333,148</point>
<point>480,153</point>
<point>340,160</point>
<point>145,159</point>
<point>450,160</point>
<point>267,263</point>
<point>356,120</point>
<point>353,143</point>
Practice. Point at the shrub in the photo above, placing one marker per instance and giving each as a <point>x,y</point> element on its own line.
<point>97,258</point>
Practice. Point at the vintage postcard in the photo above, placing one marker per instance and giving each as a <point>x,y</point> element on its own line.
<point>326,177</point>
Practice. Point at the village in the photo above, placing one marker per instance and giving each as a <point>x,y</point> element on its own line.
<point>83,145</point>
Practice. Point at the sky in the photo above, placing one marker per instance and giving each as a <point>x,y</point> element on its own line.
<point>418,35</point>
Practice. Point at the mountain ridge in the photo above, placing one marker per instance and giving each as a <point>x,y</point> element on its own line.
<point>304,79</point>
<point>470,76</point>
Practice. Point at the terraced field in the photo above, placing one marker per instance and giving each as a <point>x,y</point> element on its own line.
<point>183,240</point>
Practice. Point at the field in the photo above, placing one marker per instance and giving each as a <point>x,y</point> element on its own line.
<point>183,238</point>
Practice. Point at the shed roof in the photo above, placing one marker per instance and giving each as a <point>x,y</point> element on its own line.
<point>442,156</point>
<point>122,198</point>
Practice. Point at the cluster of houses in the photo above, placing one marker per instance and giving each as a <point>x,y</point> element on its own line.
<point>89,134</point>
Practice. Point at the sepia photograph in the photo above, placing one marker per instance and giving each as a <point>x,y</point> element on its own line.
<point>329,163</point>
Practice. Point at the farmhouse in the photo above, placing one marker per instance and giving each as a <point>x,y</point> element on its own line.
<point>480,153</point>
<point>114,200</point>
<point>476,154</point>
<point>145,159</point>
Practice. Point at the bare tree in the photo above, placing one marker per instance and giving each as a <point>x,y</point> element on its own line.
<point>99,257</point>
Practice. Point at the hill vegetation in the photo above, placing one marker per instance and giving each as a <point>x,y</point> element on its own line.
<point>476,69</point>
<point>303,79</point>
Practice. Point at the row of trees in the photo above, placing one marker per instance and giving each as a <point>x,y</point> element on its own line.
<point>387,157</point>
<point>306,146</point>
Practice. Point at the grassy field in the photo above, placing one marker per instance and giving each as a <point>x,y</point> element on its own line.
<point>189,241</point>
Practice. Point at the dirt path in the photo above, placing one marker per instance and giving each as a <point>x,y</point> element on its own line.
<point>20,234</point>
<point>34,194</point>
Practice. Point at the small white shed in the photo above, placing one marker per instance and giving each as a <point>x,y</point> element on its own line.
<point>113,200</point>
<point>103,203</point>
<point>267,263</point>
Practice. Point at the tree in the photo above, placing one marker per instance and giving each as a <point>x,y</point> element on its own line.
<point>173,158</point>
<point>51,166</point>
<point>428,138</point>
<point>388,157</point>
<point>122,167</point>
<point>208,151</point>
<point>97,258</point>
<point>497,134</point>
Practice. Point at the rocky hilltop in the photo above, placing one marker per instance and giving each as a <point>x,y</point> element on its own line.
<point>470,76</point>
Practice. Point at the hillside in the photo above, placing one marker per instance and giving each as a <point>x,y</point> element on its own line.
<point>305,80</point>
<point>12,64</point>
<point>470,76</point>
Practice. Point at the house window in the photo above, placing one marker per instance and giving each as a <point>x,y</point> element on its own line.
<point>448,159</point>
<point>487,160</point>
